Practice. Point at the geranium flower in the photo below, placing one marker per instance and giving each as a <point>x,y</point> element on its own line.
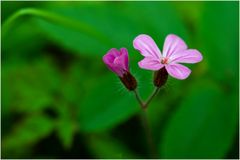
<point>117,61</point>
<point>175,51</point>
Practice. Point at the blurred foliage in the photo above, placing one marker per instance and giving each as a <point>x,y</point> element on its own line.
<point>54,83</point>
<point>204,121</point>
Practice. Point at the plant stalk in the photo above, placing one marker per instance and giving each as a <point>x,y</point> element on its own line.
<point>148,132</point>
<point>151,97</point>
<point>145,123</point>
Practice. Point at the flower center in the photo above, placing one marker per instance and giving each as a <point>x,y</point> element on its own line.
<point>164,61</point>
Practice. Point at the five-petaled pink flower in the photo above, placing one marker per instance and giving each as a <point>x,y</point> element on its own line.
<point>117,61</point>
<point>174,52</point>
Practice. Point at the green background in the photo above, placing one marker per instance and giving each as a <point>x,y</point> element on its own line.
<point>60,101</point>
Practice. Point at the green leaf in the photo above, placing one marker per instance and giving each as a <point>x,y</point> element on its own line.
<point>218,34</point>
<point>119,26</point>
<point>66,123</point>
<point>26,134</point>
<point>28,88</point>
<point>204,125</point>
<point>74,83</point>
<point>105,107</point>
<point>66,130</point>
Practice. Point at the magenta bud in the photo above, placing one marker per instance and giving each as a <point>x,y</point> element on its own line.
<point>117,61</point>
<point>160,77</point>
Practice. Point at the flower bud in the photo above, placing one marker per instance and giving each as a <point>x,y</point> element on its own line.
<point>160,77</point>
<point>117,61</point>
<point>129,81</point>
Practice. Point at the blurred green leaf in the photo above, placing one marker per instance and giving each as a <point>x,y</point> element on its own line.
<point>28,88</point>
<point>66,130</point>
<point>156,110</point>
<point>14,44</point>
<point>74,82</point>
<point>218,32</point>
<point>66,122</point>
<point>105,107</point>
<point>118,22</point>
<point>26,134</point>
<point>106,147</point>
<point>204,125</point>
<point>9,7</point>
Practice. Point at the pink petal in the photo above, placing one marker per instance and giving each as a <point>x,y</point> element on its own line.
<point>186,56</point>
<point>124,52</point>
<point>172,45</point>
<point>120,62</point>
<point>178,71</point>
<point>150,64</point>
<point>147,47</point>
<point>111,55</point>
<point>116,69</point>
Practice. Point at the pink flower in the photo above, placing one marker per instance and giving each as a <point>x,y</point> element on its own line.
<point>174,52</point>
<point>117,61</point>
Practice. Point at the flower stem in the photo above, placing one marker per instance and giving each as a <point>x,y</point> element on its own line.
<point>145,123</point>
<point>139,99</point>
<point>148,132</point>
<point>151,97</point>
<point>54,18</point>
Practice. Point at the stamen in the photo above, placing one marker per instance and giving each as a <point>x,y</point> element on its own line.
<point>164,61</point>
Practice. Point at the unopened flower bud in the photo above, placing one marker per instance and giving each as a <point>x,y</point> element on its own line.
<point>117,61</point>
<point>129,81</point>
<point>160,77</point>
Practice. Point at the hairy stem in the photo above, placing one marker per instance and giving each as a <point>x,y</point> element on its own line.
<point>54,18</point>
<point>144,105</point>
<point>139,99</point>
<point>151,97</point>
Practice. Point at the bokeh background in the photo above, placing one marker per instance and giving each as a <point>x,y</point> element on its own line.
<point>58,99</point>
